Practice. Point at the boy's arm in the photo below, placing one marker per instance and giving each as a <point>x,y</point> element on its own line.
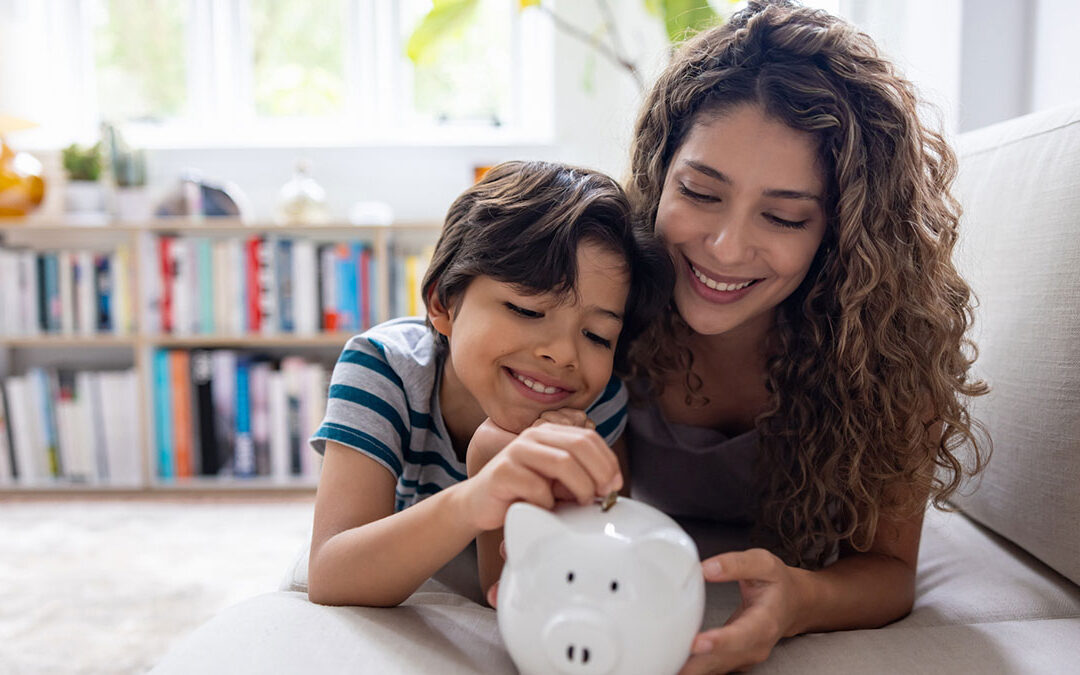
<point>362,553</point>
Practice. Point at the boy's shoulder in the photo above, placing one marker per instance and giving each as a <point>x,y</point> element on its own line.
<point>405,344</point>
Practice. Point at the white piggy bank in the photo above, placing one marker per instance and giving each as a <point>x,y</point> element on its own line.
<point>592,592</point>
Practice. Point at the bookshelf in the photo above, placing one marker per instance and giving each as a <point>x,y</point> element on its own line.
<point>139,334</point>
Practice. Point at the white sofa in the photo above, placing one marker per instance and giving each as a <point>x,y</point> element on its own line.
<point>997,588</point>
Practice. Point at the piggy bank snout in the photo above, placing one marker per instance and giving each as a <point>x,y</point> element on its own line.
<point>580,642</point>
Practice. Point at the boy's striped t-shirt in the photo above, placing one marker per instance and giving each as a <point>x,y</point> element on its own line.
<point>384,402</point>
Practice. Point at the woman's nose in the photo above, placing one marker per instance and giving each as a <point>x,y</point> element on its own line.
<point>730,242</point>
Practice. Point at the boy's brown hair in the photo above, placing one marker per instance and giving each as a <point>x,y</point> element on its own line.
<point>522,224</point>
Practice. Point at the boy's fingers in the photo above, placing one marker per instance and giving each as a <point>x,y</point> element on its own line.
<point>589,449</point>
<point>557,464</point>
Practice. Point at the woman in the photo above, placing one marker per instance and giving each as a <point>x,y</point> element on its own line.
<point>812,374</point>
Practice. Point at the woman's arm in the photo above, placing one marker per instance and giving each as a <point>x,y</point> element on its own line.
<point>362,553</point>
<point>860,590</point>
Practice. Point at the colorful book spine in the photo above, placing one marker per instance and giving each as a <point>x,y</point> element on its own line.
<point>252,287</point>
<point>104,292</point>
<point>347,298</point>
<point>283,262</point>
<point>202,382</point>
<point>244,459</point>
<point>205,275</point>
<point>180,376</point>
<point>167,276</point>
<point>163,415</point>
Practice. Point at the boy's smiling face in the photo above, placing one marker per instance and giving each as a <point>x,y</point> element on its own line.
<point>514,355</point>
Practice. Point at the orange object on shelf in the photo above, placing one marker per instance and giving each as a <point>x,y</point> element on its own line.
<point>22,186</point>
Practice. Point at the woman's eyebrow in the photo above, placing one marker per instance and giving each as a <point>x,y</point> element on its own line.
<point>772,192</point>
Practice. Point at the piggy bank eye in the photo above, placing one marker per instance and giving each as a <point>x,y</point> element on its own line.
<point>570,577</point>
<point>614,585</point>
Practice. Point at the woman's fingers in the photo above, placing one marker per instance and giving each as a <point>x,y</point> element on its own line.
<point>741,644</point>
<point>755,563</point>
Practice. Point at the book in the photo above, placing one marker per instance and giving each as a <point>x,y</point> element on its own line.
<point>244,446</point>
<point>29,464</point>
<point>280,463</point>
<point>346,274</point>
<point>266,272</point>
<point>202,382</point>
<point>150,285</point>
<point>306,303</point>
<point>259,404</point>
<point>165,264</point>
<point>328,288</point>
<point>283,272</point>
<point>163,417</point>
<point>204,276</point>
<point>252,286</point>
<point>180,397</point>
<point>120,276</point>
<point>29,291</point>
<point>293,371</point>
<point>7,459</point>
<point>65,265</point>
<point>85,295</point>
<point>43,394</point>
<point>223,394</point>
<point>367,292</point>
<point>88,385</point>
<point>104,293</point>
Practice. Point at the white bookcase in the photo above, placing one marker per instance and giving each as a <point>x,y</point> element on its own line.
<point>134,349</point>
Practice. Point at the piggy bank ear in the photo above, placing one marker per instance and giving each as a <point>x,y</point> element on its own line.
<point>666,551</point>
<point>526,524</point>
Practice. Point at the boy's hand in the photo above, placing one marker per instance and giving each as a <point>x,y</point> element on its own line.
<point>571,417</point>
<point>531,466</point>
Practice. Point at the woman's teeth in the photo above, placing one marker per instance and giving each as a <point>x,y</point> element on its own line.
<point>717,285</point>
<point>536,386</point>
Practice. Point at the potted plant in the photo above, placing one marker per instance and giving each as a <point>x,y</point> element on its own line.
<point>83,196</point>
<point>132,204</point>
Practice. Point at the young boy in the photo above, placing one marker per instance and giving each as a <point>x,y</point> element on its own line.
<point>537,283</point>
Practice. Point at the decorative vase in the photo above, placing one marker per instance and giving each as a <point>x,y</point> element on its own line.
<point>22,186</point>
<point>132,205</point>
<point>84,201</point>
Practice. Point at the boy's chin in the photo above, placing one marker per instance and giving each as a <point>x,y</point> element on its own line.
<point>515,424</point>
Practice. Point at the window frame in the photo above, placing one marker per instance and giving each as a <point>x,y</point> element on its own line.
<point>221,106</point>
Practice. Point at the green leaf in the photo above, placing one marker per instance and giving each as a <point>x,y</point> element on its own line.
<point>444,16</point>
<point>683,18</point>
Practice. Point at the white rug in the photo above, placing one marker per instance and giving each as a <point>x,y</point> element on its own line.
<point>108,586</point>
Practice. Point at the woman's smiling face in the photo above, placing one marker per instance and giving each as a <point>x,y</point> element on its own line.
<point>742,212</point>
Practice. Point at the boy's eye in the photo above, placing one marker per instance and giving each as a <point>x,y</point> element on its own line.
<point>521,311</point>
<point>696,196</point>
<point>793,224</point>
<point>603,342</point>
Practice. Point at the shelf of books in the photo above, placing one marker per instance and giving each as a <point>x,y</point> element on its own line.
<point>184,356</point>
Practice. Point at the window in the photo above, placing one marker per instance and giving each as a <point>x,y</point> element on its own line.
<point>286,72</point>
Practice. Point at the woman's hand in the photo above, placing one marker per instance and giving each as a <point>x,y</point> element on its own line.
<point>771,603</point>
<point>540,465</point>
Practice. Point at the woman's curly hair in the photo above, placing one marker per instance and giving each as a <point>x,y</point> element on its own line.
<point>869,359</point>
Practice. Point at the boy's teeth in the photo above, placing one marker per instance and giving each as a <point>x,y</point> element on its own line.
<point>535,386</point>
<point>717,285</point>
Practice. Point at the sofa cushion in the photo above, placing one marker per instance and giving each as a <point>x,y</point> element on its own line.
<point>970,575</point>
<point>1019,184</point>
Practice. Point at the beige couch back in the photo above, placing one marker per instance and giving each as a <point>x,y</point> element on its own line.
<point>1019,184</point>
